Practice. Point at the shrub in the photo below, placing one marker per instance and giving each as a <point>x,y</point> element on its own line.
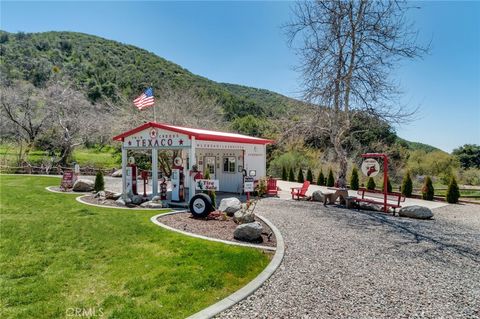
<point>284,174</point>
<point>309,176</point>
<point>330,180</point>
<point>99,182</point>
<point>427,190</point>
<point>291,175</point>
<point>453,193</point>
<point>300,177</point>
<point>261,188</point>
<point>207,174</point>
<point>354,179</point>
<point>407,185</point>
<point>371,184</point>
<point>213,196</point>
<point>321,178</point>
<point>389,186</point>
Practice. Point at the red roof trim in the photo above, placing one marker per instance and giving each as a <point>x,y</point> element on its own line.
<point>198,136</point>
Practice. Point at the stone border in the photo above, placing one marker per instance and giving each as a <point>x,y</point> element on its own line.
<point>79,199</point>
<point>253,285</point>
<point>50,188</point>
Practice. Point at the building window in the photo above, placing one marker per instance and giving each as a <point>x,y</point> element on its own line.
<point>229,164</point>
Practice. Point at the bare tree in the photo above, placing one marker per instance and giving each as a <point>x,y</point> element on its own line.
<point>348,49</point>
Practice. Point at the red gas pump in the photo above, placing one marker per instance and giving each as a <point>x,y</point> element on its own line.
<point>144,176</point>
<point>163,190</point>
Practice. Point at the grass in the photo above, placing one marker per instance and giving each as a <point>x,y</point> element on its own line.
<point>57,255</point>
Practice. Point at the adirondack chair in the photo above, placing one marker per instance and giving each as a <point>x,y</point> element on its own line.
<point>300,191</point>
<point>272,187</point>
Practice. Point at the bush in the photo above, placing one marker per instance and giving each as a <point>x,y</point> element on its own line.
<point>207,174</point>
<point>453,193</point>
<point>427,189</point>
<point>371,184</point>
<point>321,178</point>
<point>300,177</point>
<point>261,188</point>
<point>389,186</point>
<point>309,176</point>
<point>407,185</point>
<point>99,182</point>
<point>284,174</point>
<point>291,175</point>
<point>213,196</point>
<point>354,179</point>
<point>330,180</point>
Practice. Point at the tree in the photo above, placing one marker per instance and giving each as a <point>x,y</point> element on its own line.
<point>330,179</point>
<point>407,185</point>
<point>347,50</point>
<point>284,174</point>
<point>300,177</point>
<point>309,176</point>
<point>321,178</point>
<point>453,192</point>
<point>354,183</point>
<point>468,155</point>
<point>371,184</point>
<point>99,182</point>
<point>389,186</point>
<point>291,175</point>
<point>427,190</point>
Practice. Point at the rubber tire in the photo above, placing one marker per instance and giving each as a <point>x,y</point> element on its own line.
<point>207,202</point>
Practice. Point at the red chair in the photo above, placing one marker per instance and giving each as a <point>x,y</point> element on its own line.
<point>272,187</point>
<point>300,191</point>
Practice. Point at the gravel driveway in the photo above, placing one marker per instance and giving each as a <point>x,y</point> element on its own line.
<point>346,264</point>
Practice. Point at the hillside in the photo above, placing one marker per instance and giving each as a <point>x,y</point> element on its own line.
<point>109,70</point>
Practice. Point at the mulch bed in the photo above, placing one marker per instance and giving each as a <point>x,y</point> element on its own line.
<point>213,228</point>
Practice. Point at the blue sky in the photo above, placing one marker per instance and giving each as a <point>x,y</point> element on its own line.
<point>242,42</point>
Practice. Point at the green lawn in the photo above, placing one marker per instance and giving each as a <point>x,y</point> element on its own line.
<point>57,254</point>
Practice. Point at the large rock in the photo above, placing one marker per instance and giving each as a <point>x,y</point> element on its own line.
<point>416,211</point>
<point>369,206</point>
<point>243,217</point>
<point>230,205</point>
<point>83,185</point>
<point>249,232</point>
<point>112,195</point>
<point>152,204</point>
<point>137,199</point>
<point>117,173</point>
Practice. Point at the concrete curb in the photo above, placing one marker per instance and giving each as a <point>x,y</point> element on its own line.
<point>253,285</point>
<point>154,220</point>
<point>50,189</point>
<point>79,199</point>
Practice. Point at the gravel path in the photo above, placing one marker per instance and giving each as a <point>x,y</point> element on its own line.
<point>346,264</point>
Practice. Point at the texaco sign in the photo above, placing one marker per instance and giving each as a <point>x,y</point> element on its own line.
<point>156,138</point>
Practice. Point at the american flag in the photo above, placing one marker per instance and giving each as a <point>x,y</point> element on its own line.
<point>146,99</point>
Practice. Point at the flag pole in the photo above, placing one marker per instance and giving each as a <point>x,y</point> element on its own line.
<point>154,114</point>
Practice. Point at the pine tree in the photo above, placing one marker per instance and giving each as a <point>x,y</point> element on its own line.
<point>389,186</point>
<point>284,174</point>
<point>354,179</point>
<point>291,175</point>
<point>427,190</point>
<point>300,177</point>
<point>99,182</point>
<point>321,178</point>
<point>453,192</point>
<point>371,184</point>
<point>407,185</point>
<point>330,180</point>
<point>309,176</point>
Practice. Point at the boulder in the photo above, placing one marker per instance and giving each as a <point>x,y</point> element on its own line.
<point>112,195</point>
<point>369,206</point>
<point>230,205</point>
<point>152,204</point>
<point>137,199</point>
<point>83,185</point>
<point>117,173</point>
<point>317,196</point>
<point>101,195</point>
<point>120,202</point>
<point>416,211</point>
<point>243,217</point>
<point>249,232</point>
<point>156,199</point>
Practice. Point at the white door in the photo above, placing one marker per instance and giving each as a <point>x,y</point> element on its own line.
<point>210,166</point>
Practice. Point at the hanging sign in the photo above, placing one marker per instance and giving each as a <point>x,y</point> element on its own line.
<point>370,167</point>
<point>207,184</point>
<point>248,184</point>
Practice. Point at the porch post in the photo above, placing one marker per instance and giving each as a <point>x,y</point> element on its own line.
<point>154,172</point>
<point>124,173</point>
<point>192,161</point>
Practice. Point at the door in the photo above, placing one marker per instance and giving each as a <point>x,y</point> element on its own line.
<point>210,166</point>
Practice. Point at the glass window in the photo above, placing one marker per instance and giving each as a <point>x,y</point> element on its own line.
<point>229,164</point>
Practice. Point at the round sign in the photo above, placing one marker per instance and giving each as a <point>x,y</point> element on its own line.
<point>153,133</point>
<point>131,160</point>
<point>178,161</point>
<point>370,167</point>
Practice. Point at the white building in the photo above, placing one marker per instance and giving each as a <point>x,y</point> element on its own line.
<point>224,155</point>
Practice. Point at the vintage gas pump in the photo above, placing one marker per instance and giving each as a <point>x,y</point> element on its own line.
<point>144,176</point>
<point>132,176</point>
<point>177,179</point>
<point>163,189</point>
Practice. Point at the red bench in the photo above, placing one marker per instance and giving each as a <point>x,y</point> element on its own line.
<point>300,191</point>
<point>393,199</point>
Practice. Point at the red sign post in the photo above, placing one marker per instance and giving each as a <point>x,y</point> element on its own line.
<point>385,174</point>
<point>67,180</point>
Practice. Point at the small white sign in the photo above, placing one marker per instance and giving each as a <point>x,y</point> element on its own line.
<point>207,184</point>
<point>370,167</point>
<point>248,184</point>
